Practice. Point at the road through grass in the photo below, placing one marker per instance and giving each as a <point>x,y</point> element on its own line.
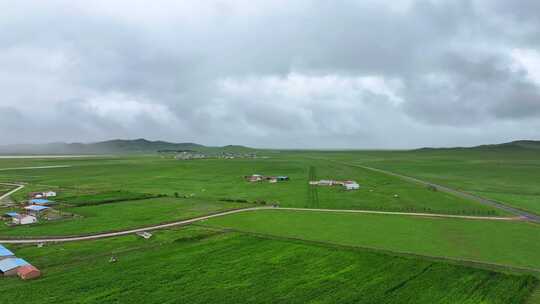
<point>120,216</point>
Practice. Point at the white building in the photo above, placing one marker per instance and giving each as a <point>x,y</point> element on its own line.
<point>49,193</point>
<point>24,219</point>
<point>351,186</point>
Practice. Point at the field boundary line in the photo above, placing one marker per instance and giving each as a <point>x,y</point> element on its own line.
<point>418,214</point>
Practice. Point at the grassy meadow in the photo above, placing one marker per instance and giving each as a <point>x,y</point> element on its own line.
<point>507,175</point>
<point>203,266</point>
<point>214,179</point>
<point>505,243</point>
<point>120,216</point>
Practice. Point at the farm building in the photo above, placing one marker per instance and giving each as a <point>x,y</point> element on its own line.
<point>41,202</point>
<point>36,209</point>
<point>44,194</point>
<point>5,253</point>
<point>270,179</point>
<point>254,178</point>
<point>8,267</point>
<point>49,193</point>
<point>28,272</point>
<point>323,182</point>
<point>35,195</point>
<point>10,215</point>
<point>351,185</point>
<point>347,184</point>
<point>24,219</point>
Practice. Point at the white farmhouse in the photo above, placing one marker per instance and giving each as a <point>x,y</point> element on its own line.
<point>49,193</point>
<point>24,219</point>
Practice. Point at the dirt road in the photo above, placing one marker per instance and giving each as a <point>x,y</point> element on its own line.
<point>130,231</point>
<point>202,218</point>
<point>19,187</point>
<point>521,213</point>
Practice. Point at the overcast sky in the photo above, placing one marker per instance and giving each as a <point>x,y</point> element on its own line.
<point>313,74</point>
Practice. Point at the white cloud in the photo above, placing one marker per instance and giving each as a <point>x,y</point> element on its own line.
<point>528,60</point>
<point>127,111</point>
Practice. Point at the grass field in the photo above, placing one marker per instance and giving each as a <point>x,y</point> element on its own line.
<point>207,266</point>
<point>506,243</point>
<point>506,175</point>
<point>121,215</point>
<point>200,266</point>
<point>223,179</point>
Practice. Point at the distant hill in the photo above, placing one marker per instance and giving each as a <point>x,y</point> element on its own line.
<point>116,146</point>
<point>514,145</point>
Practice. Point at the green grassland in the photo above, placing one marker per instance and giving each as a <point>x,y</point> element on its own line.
<point>214,179</point>
<point>506,243</point>
<point>507,175</point>
<point>100,198</point>
<point>200,266</point>
<point>120,216</point>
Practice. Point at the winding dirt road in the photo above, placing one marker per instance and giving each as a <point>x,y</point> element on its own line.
<point>202,218</point>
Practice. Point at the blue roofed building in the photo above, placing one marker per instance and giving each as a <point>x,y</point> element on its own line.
<point>8,267</point>
<point>36,208</point>
<point>41,202</point>
<point>5,253</point>
<point>11,214</point>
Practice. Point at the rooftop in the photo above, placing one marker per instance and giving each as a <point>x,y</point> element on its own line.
<point>4,252</point>
<point>36,208</point>
<point>11,263</point>
<point>40,201</point>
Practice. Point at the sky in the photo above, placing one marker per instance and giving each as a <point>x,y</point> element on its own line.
<point>280,73</point>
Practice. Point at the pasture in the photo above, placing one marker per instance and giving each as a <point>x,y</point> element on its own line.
<point>120,216</point>
<point>204,266</point>
<point>504,243</point>
<point>214,179</point>
<point>506,175</point>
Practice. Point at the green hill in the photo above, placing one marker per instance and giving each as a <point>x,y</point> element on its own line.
<point>518,145</point>
<point>116,146</point>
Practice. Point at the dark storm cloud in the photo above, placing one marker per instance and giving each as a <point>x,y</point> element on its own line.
<point>271,73</point>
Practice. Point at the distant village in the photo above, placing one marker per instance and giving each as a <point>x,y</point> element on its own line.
<point>189,154</point>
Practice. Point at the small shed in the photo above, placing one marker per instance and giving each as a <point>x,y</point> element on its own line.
<point>8,267</point>
<point>28,272</point>
<point>5,253</point>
